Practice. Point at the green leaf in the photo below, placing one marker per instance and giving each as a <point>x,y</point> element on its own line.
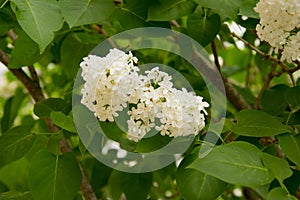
<point>194,184</point>
<point>25,52</point>
<point>203,28</point>
<point>166,10</point>
<point>63,121</point>
<point>45,107</point>
<point>15,143</point>
<point>236,163</point>
<point>76,46</point>
<point>246,9</point>
<point>129,19</point>
<point>6,21</point>
<point>39,19</point>
<point>81,12</point>
<point>290,146</point>
<point>14,195</point>
<point>279,167</point>
<point>134,186</point>
<point>11,109</point>
<point>258,123</point>
<point>225,8</point>
<point>273,100</point>
<point>293,98</point>
<point>279,194</point>
<point>54,177</point>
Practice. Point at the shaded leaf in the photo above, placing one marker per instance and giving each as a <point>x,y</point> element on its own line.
<point>231,162</point>
<point>25,52</point>
<point>166,10</point>
<point>290,146</point>
<point>15,143</point>
<point>257,123</point>
<point>273,100</point>
<point>76,46</point>
<point>83,12</point>
<point>203,28</point>
<point>293,98</point>
<point>11,109</point>
<point>38,25</point>
<point>54,177</point>
<point>6,21</point>
<point>134,186</point>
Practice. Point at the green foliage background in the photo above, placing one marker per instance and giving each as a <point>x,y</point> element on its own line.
<point>258,152</point>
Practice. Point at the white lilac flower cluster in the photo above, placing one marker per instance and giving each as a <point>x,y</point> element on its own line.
<point>280,26</point>
<point>113,83</point>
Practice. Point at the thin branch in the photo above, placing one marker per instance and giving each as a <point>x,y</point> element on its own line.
<point>265,86</point>
<point>232,94</point>
<point>100,30</point>
<point>174,23</point>
<point>284,67</point>
<point>216,57</point>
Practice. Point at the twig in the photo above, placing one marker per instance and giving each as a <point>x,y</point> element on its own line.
<point>174,23</point>
<point>232,94</point>
<point>100,30</point>
<point>35,91</point>
<point>216,57</point>
<point>265,86</point>
<point>248,70</point>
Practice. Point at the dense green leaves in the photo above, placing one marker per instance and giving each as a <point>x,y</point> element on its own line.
<point>83,12</point>
<point>226,8</point>
<point>166,10</point>
<point>257,123</point>
<point>203,28</point>
<point>38,25</point>
<point>237,163</point>
<point>290,145</point>
<point>134,186</point>
<point>15,143</point>
<point>54,177</point>
<point>194,184</point>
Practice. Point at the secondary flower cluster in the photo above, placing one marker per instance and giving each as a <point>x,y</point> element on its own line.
<point>113,83</point>
<point>280,26</point>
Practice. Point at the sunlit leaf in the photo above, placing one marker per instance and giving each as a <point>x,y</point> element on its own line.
<point>39,19</point>
<point>236,163</point>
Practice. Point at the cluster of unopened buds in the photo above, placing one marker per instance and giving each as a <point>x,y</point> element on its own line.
<point>113,83</point>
